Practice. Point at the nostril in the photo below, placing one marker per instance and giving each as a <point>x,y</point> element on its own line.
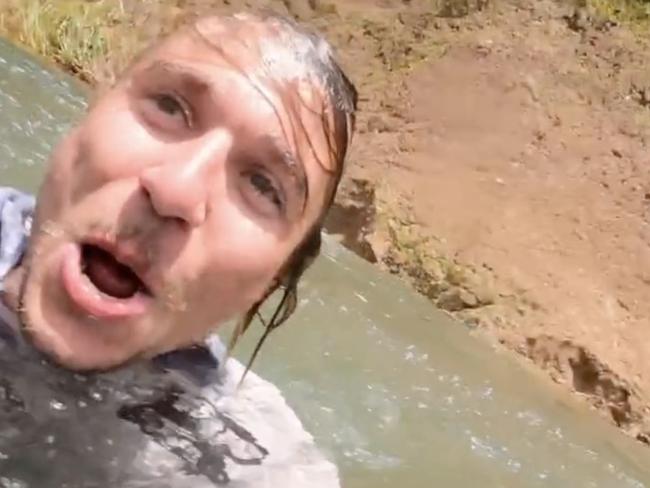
<point>178,221</point>
<point>145,185</point>
<point>173,197</point>
<point>146,194</point>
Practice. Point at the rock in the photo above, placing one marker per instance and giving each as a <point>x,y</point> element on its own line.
<point>579,20</point>
<point>484,47</point>
<point>460,8</point>
<point>532,87</point>
<point>377,124</point>
<point>468,298</point>
<point>323,8</point>
<point>455,275</point>
<point>407,142</point>
<point>352,217</point>
<point>299,9</point>
<point>472,322</point>
<point>457,299</point>
<point>640,92</point>
<point>482,287</point>
<point>643,437</point>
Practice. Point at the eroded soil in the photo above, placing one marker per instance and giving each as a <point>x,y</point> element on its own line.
<point>510,177</point>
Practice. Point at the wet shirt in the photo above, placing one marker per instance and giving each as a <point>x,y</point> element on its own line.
<point>177,421</point>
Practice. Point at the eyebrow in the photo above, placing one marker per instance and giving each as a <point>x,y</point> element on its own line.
<point>193,80</point>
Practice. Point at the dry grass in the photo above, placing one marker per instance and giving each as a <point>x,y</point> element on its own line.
<point>632,11</point>
<point>92,39</point>
<point>76,34</point>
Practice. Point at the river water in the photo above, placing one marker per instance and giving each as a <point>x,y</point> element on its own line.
<point>395,393</point>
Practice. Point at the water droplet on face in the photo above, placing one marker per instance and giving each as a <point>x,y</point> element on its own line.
<point>95,395</point>
<point>52,229</point>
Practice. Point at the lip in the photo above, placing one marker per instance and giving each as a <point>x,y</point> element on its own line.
<point>127,254</point>
<point>91,300</point>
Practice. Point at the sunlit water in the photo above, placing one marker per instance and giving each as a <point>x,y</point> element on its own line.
<point>394,392</point>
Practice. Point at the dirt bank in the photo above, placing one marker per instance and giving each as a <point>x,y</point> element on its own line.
<point>501,167</point>
<point>510,179</point>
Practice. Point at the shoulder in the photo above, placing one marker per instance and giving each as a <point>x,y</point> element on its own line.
<point>16,209</point>
<point>266,441</point>
<point>293,459</point>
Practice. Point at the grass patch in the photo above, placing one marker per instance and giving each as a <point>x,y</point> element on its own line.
<point>90,39</point>
<point>629,11</point>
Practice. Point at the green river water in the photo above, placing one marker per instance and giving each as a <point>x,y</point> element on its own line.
<point>395,393</point>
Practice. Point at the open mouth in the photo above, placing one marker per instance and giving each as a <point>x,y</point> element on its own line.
<point>109,276</point>
<point>102,285</point>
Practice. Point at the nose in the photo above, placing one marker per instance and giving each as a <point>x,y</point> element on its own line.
<point>180,186</point>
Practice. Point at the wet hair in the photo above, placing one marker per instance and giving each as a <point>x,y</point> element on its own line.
<point>286,55</point>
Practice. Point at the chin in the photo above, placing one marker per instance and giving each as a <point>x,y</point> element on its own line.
<point>79,346</point>
<point>76,316</point>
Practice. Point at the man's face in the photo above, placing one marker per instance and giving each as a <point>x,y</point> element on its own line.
<point>170,209</point>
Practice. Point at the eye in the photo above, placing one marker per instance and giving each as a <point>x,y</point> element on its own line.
<point>169,105</point>
<point>174,106</point>
<point>266,188</point>
<point>168,112</point>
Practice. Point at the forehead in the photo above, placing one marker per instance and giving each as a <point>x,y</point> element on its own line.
<point>264,58</point>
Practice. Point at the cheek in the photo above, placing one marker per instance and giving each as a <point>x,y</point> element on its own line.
<point>113,143</point>
<point>242,258</point>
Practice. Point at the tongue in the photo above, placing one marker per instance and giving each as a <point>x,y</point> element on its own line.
<point>108,275</point>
